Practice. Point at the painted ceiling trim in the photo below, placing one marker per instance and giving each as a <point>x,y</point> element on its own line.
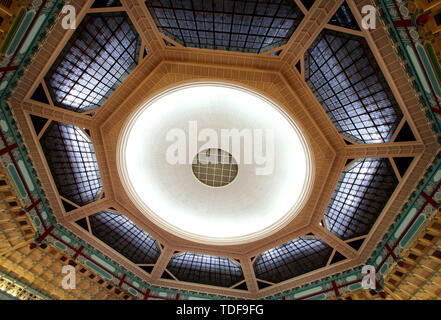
<point>27,289</point>
<point>30,42</point>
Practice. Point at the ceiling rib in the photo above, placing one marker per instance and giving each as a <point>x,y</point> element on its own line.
<point>349,164</point>
<point>143,22</point>
<point>384,150</point>
<point>46,91</point>
<point>89,209</point>
<point>345,30</point>
<point>301,6</point>
<point>274,50</point>
<point>58,114</point>
<point>335,242</point>
<point>311,26</point>
<point>176,44</point>
<point>162,262</point>
<point>106,9</point>
<point>398,129</point>
<point>249,275</point>
<point>48,122</point>
<point>395,168</point>
<point>73,204</point>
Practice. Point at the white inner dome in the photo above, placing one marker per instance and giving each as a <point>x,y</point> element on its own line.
<point>252,206</point>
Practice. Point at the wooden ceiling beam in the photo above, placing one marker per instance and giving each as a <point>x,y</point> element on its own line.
<point>161,264</point>
<point>309,29</point>
<point>384,150</point>
<point>335,242</point>
<point>249,274</point>
<point>89,209</point>
<point>58,114</point>
<point>143,22</point>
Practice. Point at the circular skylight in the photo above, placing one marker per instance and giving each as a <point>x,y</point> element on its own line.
<point>214,167</point>
<point>252,159</point>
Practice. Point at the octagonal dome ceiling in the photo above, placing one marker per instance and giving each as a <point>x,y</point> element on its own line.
<point>274,163</point>
<point>335,106</point>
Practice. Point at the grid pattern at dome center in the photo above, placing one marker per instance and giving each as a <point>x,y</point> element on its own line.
<point>214,167</point>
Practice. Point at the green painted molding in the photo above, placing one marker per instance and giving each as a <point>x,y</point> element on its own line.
<point>24,286</point>
<point>397,37</point>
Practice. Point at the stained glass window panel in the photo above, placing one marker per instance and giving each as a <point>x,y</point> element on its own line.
<point>71,159</point>
<point>121,234</point>
<point>205,269</point>
<point>361,194</point>
<point>100,54</point>
<point>346,79</point>
<point>292,259</point>
<point>237,25</point>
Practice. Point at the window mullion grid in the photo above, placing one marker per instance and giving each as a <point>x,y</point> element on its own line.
<point>356,92</point>
<point>330,87</point>
<point>104,49</point>
<point>85,70</point>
